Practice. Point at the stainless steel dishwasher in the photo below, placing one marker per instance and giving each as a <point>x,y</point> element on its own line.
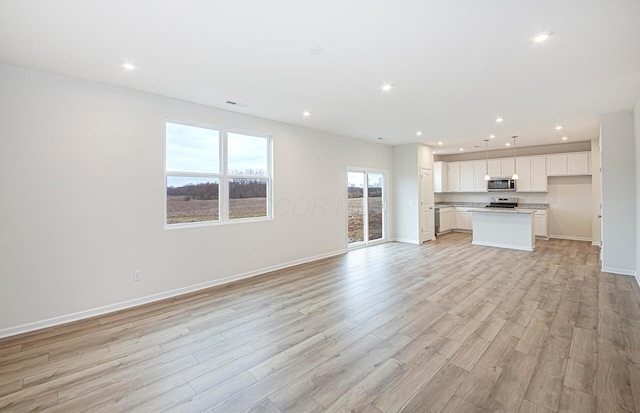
<point>436,220</point>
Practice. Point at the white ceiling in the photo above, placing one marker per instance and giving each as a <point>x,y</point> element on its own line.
<point>455,65</point>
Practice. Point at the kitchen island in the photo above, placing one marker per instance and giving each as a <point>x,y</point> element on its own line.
<point>504,228</point>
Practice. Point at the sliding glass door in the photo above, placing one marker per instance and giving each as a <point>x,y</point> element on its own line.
<point>366,206</point>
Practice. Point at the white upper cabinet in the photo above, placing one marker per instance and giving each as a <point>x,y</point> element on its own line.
<point>532,174</point>
<point>440,174</point>
<point>466,176</point>
<point>507,167</point>
<point>579,163</point>
<point>564,164</point>
<point>538,174</point>
<point>495,168</point>
<point>501,168</point>
<point>557,164</point>
<point>523,166</point>
<point>453,178</point>
<point>479,171</point>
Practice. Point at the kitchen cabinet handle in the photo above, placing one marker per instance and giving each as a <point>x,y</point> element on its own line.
<point>599,216</point>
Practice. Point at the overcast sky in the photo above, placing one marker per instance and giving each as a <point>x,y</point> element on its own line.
<point>195,149</point>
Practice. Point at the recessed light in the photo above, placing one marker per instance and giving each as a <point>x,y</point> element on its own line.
<point>564,138</point>
<point>419,133</point>
<point>380,139</point>
<point>306,113</point>
<point>507,144</point>
<point>129,66</point>
<point>387,87</point>
<point>434,152</point>
<point>559,127</point>
<point>440,143</point>
<point>461,149</point>
<point>541,37</point>
<point>492,136</point>
<point>499,119</point>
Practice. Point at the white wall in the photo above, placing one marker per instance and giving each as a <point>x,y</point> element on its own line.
<point>595,192</point>
<point>570,204</point>
<point>425,160</point>
<point>405,191</point>
<point>618,193</point>
<point>570,207</point>
<point>636,121</point>
<point>82,200</point>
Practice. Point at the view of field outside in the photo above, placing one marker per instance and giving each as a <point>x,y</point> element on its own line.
<point>181,210</point>
<point>193,173</point>
<point>355,205</point>
<point>200,202</point>
<point>356,220</point>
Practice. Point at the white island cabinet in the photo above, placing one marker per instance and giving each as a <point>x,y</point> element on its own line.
<point>504,228</point>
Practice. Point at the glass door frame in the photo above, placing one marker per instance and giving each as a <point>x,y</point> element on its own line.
<point>365,207</point>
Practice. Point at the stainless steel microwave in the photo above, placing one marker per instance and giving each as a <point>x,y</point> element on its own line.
<point>501,185</point>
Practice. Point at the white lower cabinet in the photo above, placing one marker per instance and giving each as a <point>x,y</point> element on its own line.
<point>541,223</point>
<point>446,219</point>
<point>460,218</point>
<point>463,219</point>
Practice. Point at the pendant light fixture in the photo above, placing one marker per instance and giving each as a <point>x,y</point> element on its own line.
<point>486,160</point>
<point>515,174</point>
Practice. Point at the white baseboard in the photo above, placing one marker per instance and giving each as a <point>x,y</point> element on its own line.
<point>569,237</point>
<point>81,315</point>
<point>596,243</point>
<point>622,271</point>
<point>407,240</point>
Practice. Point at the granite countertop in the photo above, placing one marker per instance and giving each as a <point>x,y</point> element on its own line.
<point>505,210</point>
<point>446,204</point>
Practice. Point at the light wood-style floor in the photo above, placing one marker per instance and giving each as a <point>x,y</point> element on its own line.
<point>441,327</point>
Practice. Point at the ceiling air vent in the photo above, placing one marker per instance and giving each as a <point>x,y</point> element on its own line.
<point>239,104</point>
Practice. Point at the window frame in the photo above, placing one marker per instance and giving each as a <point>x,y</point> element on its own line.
<point>223,176</point>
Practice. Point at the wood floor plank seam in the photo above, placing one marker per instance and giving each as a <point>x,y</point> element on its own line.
<point>441,327</point>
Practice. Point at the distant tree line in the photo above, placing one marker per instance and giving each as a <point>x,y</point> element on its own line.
<point>247,188</point>
<point>238,188</point>
<point>205,191</point>
<point>357,192</point>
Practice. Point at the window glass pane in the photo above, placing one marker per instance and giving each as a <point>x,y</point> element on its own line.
<point>355,191</point>
<point>374,205</point>
<point>192,199</point>
<point>247,155</point>
<point>247,198</point>
<point>192,149</point>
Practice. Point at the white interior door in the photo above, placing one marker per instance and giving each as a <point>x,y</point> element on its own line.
<point>426,205</point>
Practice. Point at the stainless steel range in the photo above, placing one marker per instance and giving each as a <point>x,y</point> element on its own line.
<point>503,203</point>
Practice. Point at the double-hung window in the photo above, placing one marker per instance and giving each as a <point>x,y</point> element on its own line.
<point>215,175</point>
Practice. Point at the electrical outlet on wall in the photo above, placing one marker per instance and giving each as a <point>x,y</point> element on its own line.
<point>137,275</point>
